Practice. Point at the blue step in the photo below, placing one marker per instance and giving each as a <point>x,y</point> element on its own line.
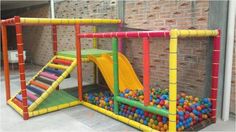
<point>53,71</point>
<point>34,90</point>
<point>19,97</point>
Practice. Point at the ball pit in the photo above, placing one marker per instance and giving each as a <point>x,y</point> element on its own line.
<point>190,110</point>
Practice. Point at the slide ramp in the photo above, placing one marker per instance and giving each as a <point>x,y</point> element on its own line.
<point>127,76</point>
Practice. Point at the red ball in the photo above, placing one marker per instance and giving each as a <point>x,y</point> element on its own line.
<point>145,114</point>
<point>150,115</point>
<point>162,102</point>
<point>159,118</point>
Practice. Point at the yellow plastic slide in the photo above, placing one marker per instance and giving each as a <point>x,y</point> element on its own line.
<point>127,76</point>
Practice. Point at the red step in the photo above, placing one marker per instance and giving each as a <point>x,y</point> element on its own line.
<point>61,61</point>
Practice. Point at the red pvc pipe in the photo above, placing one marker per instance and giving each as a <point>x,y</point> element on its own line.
<point>79,62</point>
<point>5,62</point>
<point>20,49</point>
<point>146,70</point>
<point>215,73</point>
<point>10,21</point>
<point>133,34</point>
<point>61,61</point>
<point>54,39</point>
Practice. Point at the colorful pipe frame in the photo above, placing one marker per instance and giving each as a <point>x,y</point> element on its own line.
<point>173,34</point>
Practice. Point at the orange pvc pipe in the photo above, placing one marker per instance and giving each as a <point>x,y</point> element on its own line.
<point>20,49</point>
<point>79,65</point>
<point>54,39</point>
<point>17,102</point>
<point>5,62</point>
<point>43,86</point>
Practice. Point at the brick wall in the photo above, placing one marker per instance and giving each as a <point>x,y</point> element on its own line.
<point>192,53</point>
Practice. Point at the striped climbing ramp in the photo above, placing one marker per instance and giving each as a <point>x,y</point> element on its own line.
<point>45,81</point>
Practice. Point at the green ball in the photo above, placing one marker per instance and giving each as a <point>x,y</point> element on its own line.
<point>156,122</point>
<point>154,117</point>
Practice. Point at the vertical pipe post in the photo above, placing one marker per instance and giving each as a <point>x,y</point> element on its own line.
<point>20,49</point>
<point>215,73</point>
<point>79,63</point>
<point>115,72</point>
<point>120,39</point>
<point>95,46</point>
<point>172,79</point>
<point>54,39</point>
<point>146,70</point>
<point>5,62</point>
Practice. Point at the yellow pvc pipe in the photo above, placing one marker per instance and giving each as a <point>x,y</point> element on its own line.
<point>197,33</point>
<point>61,67</point>
<point>68,21</point>
<point>65,58</point>
<point>172,79</point>
<point>15,107</point>
<point>120,118</point>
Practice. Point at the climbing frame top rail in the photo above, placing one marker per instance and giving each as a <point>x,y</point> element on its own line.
<point>58,21</point>
<point>141,34</point>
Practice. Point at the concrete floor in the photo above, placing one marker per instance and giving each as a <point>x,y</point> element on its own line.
<point>78,118</point>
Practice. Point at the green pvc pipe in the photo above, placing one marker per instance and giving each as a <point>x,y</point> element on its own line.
<point>140,105</point>
<point>115,72</point>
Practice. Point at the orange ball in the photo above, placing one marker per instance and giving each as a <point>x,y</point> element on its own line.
<point>160,124</point>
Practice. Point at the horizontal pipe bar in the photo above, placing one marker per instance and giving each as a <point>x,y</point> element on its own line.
<point>68,21</point>
<point>8,21</point>
<point>197,33</point>
<point>140,105</point>
<point>120,118</point>
<point>133,34</point>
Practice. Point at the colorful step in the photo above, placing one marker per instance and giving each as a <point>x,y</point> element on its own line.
<point>19,97</point>
<point>55,66</point>
<point>31,96</point>
<point>38,84</point>
<point>18,103</point>
<point>62,61</point>
<point>46,81</point>
<point>48,75</point>
<point>34,90</point>
<point>50,70</point>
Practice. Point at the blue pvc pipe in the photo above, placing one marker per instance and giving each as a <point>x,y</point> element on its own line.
<point>19,97</point>
<point>34,90</point>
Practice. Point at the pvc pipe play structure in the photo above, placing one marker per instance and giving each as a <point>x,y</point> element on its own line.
<point>70,63</point>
